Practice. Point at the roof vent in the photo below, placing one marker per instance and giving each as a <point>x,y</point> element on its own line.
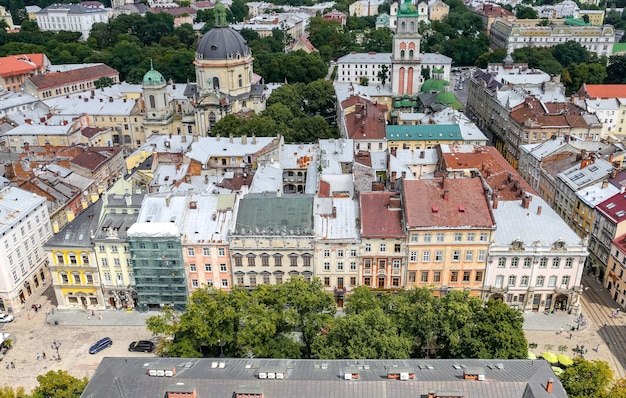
<point>461,209</point>
<point>435,209</point>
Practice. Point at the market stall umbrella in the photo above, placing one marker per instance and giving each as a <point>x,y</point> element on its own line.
<point>550,357</point>
<point>557,371</point>
<point>531,355</point>
<point>565,360</point>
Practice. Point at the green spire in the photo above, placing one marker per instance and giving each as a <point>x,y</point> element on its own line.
<point>220,15</point>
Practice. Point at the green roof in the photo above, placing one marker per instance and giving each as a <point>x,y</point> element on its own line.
<point>407,9</point>
<point>268,214</point>
<point>619,48</point>
<point>433,85</point>
<point>576,22</point>
<point>424,132</point>
<point>153,77</point>
<point>445,97</point>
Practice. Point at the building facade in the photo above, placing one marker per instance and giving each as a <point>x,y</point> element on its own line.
<point>71,17</point>
<point>25,227</point>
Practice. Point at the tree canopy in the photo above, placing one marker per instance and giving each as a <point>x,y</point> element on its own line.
<point>299,112</point>
<point>296,320</point>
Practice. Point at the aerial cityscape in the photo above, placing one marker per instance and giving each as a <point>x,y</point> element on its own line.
<point>298,199</point>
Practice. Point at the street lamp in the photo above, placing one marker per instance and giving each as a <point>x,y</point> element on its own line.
<point>221,344</point>
<point>55,346</point>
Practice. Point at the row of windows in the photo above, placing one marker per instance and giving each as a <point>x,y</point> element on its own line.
<point>116,262</point>
<point>264,279</point>
<point>207,268</point>
<point>209,283</point>
<point>76,278</point>
<point>206,251</point>
<point>456,256</point>
<point>441,237</point>
<point>114,249</point>
<point>278,260</point>
<point>455,276</point>
<point>528,261</point>
<point>525,279</point>
<point>382,248</point>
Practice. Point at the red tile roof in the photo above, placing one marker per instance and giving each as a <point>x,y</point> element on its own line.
<point>367,122</point>
<point>552,114</point>
<point>501,177</point>
<point>93,158</point>
<point>446,203</point>
<point>15,65</point>
<point>378,220</point>
<point>89,132</point>
<point>595,91</point>
<point>620,243</point>
<point>614,208</point>
<point>56,79</point>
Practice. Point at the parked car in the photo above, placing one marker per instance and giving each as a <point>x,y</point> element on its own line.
<point>101,345</point>
<point>141,346</point>
<point>4,318</point>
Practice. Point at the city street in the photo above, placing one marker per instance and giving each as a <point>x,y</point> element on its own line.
<point>75,333</point>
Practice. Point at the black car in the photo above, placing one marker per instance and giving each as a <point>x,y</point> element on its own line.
<point>141,346</point>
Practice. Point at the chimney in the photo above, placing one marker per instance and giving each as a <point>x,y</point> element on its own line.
<point>538,210</point>
<point>585,162</point>
<point>168,200</point>
<point>394,202</point>
<point>128,198</point>
<point>549,385</point>
<point>244,139</point>
<point>334,212</point>
<point>526,199</point>
<point>613,173</point>
<point>605,183</point>
<point>9,172</point>
<point>495,202</point>
<point>195,138</point>
<point>611,158</point>
<point>177,166</point>
<point>253,139</point>
<point>110,99</point>
<point>206,178</point>
<point>231,138</point>
<point>183,138</point>
<point>432,394</point>
<point>445,194</point>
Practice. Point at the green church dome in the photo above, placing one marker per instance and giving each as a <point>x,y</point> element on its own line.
<point>434,85</point>
<point>153,77</point>
<point>445,97</point>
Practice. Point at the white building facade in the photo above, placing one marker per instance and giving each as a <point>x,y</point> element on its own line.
<point>25,227</point>
<point>71,17</point>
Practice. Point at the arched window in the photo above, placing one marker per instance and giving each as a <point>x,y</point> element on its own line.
<point>410,54</point>
<point>402,54</point>
<point>152,102</point>
<point>412,26</point>
<point>216,83</point>
<point>211,119</point>
<point>403,26</point>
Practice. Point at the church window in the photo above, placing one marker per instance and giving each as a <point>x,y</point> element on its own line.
<point>216,83</point>
<point>240,80</point>
<point>212,119</point>
<point>402,54</point>
<point>403,26</point>
<point>152,102</point>
<point>412,26</point>
<point>410,54</point>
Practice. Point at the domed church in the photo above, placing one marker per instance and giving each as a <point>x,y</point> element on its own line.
<point>225,80</point>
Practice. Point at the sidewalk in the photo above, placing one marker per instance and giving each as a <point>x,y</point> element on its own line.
<point>553,321</point>
<point>109,318</point>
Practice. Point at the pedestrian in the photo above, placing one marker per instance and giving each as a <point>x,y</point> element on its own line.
<point>597,347</point>
<point>561,332</point>
<point>12,365</point>
<point>605,324</point>
<point>43,355</point>
<point>93,313</point>
<point>47,311</point>
<point>38,356</point>
<point>100,316</point>
<point>570,335</point>
<point>7,366</point>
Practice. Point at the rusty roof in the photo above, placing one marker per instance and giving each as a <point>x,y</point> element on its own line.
<point>501,177</point>
<point>56,79</point>
<point>93,158</point>
<point>446,203</point>
<point>379,219</point>
<point>367,122</point>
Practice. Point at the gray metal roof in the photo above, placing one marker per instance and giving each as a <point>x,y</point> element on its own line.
<point>129,377</point>
<point>268,214</point>
<point>221,43</point>
<point>78,232</point>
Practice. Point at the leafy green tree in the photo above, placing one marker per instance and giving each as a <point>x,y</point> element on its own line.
<point>10,392</point>
<point>383,74</point>
<point>370,334</point>
<point>310,129</point>
<point>569,53</point>
<point>239,10</point>
<point>59,384</point>
<point>585,18</point>
<point>618,389</point>
<point>526,13</point>
<point>587,379</point>
<point>616,70</point>
<point>289,95</point>
<point>488,57</point>
<point>378,40</point>
<point>104,81</point>
<point>319,98</point>
<point>362,299</point>
<point>585,73</point>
